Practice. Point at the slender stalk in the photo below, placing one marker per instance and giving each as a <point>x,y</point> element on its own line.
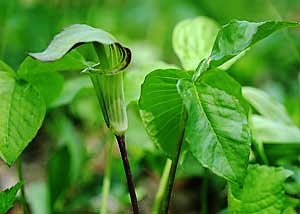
<point>162,187</point>
<point>107,179</point>
<point>259,153</point>
<point>26,209</point>
<point>131,189</point>
<point>166,201</point>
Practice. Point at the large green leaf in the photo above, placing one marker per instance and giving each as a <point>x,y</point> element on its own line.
<point>216,129</point>
<point>44,76</point>
<point>7,197</point>
<point>113,56</point>
<point>266,105</point>
<point>271,131</point>
<point>193,40</point>
<point>262,192</point>
<point>237,36</point>
<point>223,81</point>
<point>162,108</point>
<point>22,110</point>
<point>134,77</point>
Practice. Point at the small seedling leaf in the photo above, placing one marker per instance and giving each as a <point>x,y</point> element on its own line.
<point>7,197</point>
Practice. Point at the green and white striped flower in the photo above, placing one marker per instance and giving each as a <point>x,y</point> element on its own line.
<point>106,75</point>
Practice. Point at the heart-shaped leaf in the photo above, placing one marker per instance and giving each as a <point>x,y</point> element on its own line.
<point>22,110</point>
<point>162,108</point>
<point>216,129</point>
<point>162,112</point>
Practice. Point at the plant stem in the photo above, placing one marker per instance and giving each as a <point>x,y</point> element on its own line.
<point>166,201</point>
<point>23,195</point>
<point>162,187</point>
<point>131,189</point>
<point>259,152</point>
<point>107,178</point>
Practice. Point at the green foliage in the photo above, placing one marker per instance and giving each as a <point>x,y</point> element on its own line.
<point>59,184</point>
<point>7,197</point>
<point>105,75</point>
<point>193,40</point>
<point>116,57</point>
<point>34,87</point>
<point>206,112</point>
<point>22,111</point>
<point>266,105</point>
<point>137,148</point>
<point>262,192</point>
<point>84,107</point>
<point>273,130</point>
<point>162,108</point>
<point>65,133</point>
<point>216,129</point>
<point>214,118</point>
<point>44,76</point>
<point>236,36</point>
<point>267,130</point>
<point>134,78</point>
<point>70,89</point>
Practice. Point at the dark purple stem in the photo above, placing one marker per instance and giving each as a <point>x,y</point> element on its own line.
<point>131,189</point>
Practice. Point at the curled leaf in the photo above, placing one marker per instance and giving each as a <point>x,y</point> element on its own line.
<point>116,57</point>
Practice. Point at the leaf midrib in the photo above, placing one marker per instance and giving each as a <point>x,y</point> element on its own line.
<point>212,127</point>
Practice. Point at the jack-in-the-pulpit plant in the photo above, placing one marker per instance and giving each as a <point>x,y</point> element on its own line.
<point>107,78</point>
<point>197,110</point>
<point>200,108</point>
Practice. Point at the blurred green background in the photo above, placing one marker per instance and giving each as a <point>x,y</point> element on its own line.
<point>146,27</point>
<point>29,25</point>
